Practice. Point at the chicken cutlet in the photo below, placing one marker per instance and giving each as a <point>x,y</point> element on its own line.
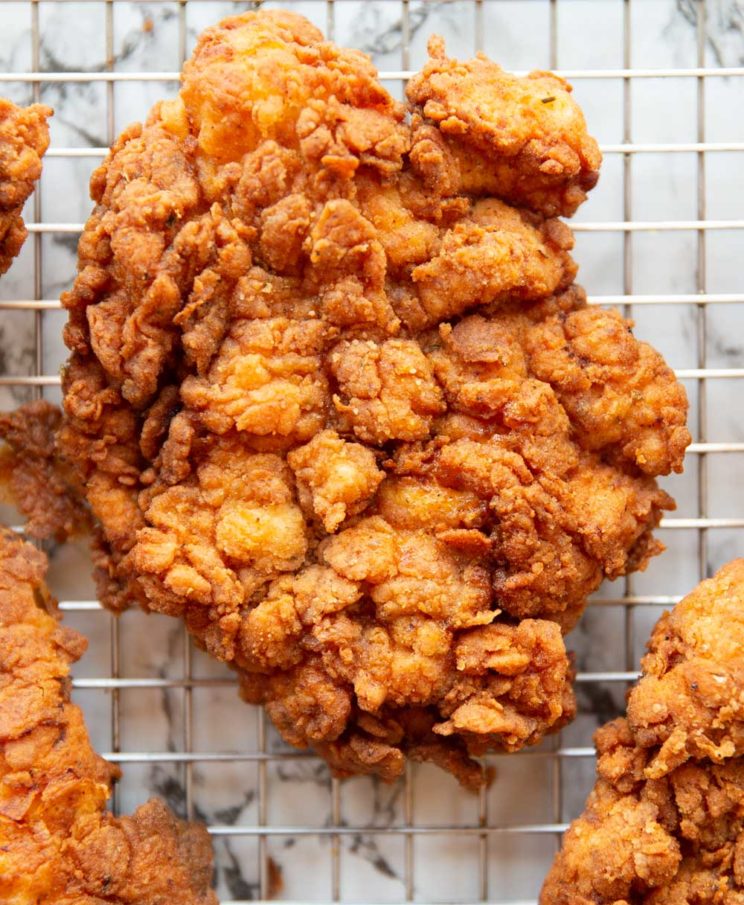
<point>336,401</point>
<point>58,845</point>
<point>24,138</point>
<point>664,824</point>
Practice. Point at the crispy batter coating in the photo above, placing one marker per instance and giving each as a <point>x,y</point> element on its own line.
<point>57,844</point>
<point>690,701</point>
<point>37,480</point>
<point>24,138</point>
<point>319,406</point>
<point>522,139</point>
<point>664,824</point>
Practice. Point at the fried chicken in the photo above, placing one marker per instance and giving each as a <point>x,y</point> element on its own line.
<point>24,138</point>
<point>58,846</point>
<point>339,405</point>
<point>664,824</point>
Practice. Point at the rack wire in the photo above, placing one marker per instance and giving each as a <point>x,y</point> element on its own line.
<point>486,823</point>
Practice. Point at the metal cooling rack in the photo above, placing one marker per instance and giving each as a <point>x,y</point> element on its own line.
<point>488,825</point>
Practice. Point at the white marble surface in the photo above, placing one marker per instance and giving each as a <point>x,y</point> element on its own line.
<point>531,789</point>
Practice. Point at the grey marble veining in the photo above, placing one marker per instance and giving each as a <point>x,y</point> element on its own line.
<point>297,791</point>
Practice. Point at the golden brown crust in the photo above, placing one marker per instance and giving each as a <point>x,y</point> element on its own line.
<point>57,844</point>
<point>664,824</point>
<point>296,434</point>
<point>24,138</point>
<point>522,139</point>
<point>690,701</point>
<point>621,396</point>
<point>38,481</point>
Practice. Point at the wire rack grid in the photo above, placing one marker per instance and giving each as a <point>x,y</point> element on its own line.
<point>484,824</point>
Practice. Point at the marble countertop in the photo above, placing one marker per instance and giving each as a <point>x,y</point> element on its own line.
<point>372,860</point>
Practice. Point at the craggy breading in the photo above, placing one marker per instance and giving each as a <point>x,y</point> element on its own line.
<point>617,392</point>
<point>38,481</point>
<point>57,844</point>
<point>321,406</point>
<point>664,824</point>
<point>690,702</point>
<point>521,139</point>
<point>24,138</point>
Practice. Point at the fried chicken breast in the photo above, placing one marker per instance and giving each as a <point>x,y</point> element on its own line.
<point>24,138</point>
<point>58,846</point>
<point>664,824</point>
<point>339,405</point>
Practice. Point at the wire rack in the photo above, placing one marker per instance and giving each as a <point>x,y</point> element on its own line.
<point>625,611</point>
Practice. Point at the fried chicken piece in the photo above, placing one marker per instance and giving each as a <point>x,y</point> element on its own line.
<point>664,824</point>
<point>38,481</point>
<point>24,138</point>
<point>521,139</point>
<point>57,843</point>
<point>318,406</point>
